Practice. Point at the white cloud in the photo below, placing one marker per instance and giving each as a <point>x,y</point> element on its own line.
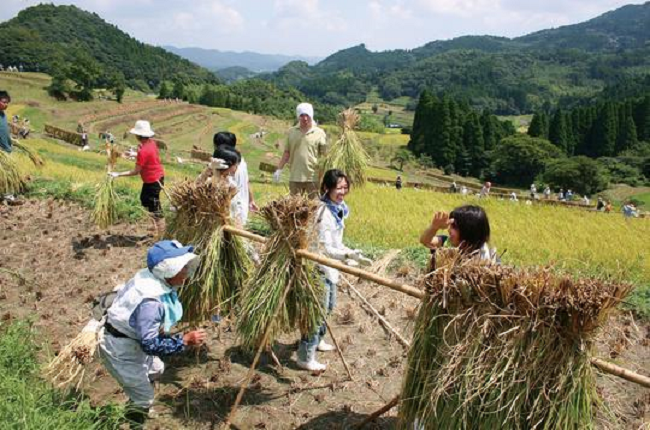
<point>463,8</point>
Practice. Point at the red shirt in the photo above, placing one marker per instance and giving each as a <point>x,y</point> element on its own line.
<point>149,161</point>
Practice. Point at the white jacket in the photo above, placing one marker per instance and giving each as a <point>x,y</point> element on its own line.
<point>330,241</point>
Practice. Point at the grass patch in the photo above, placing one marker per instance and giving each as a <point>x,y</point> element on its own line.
<point>28,402</point>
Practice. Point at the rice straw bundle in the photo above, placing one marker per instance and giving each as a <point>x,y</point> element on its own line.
<point>291,220</point>
<point>496,347</point>
<point>33,155</point>
<point>104,212</point>
<point>348,154</point>
<point>202,210</point>
<point>70,365</point>
<point>11,182</point>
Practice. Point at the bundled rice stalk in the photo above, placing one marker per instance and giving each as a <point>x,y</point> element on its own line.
<point>69,367</point>
<point>496,347</point>
<point>202,210</point>
<point>291,220</point>
<point>33,155</point>
<point>104,212</point>
<point>11,182</point>
<point>348,154</point>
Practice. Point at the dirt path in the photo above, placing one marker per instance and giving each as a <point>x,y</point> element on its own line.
<point>65,261</point>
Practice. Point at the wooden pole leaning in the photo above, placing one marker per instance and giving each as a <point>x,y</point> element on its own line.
<point>405,343</point>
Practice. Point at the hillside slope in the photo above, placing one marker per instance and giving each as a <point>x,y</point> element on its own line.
<point>507,76</point>
<point>43,36</point>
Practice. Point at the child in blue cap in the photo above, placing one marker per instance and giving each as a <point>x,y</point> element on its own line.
<point>136,333</point>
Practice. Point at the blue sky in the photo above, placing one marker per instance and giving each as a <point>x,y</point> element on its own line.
<point>320,28</point>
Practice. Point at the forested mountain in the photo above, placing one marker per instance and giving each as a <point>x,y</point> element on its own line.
<point>214,59</point>
<point>48,37</point>
<point>506,76</point>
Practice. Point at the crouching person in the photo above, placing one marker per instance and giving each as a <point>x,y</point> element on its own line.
<point>138,323</point>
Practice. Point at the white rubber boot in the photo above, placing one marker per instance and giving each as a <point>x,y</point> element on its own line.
<point>312,366</point>
<point>325,347</point>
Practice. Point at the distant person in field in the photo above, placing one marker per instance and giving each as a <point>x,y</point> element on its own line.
<point>453,188</point>
<point>468,230</point>
<point>398,183</point>
<point>560,195</point>
<point>608,207</point>
<point>150,169</point>
<point>485,191</point>
<point>330,220</point>
<point>600,204</point>
<point>463,190</point>
<point>513,197</point>
<point>629,210</point>
<point>547,192</point>
<point>533,191</point>
<point>137,331</point>
<point>305,144</point>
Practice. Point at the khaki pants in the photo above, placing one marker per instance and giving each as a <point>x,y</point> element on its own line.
<point>309,188</point>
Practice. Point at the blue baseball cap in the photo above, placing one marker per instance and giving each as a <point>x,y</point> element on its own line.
<point>166,249</point>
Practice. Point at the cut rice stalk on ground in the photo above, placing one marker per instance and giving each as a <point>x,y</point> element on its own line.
<point>69,366</point>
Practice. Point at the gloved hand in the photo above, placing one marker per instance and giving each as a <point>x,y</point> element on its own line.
<point>350,262</point>
<point>217,164</point>
<point>277,175</point>
<point>358,256</point>
<point>113,174</point>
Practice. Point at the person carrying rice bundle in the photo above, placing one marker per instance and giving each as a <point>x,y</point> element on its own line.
<point>330,222</point>
<point>305,144</point>
<point>223,167</point>
<point>150,169</point>
<point>136,333</point>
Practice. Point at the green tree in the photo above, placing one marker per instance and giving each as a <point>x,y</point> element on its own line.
<point>117,84</point>
<point>557,132</point>
<point>84,72</point>
<point>581,174</point>
<point>538,126</point>
<point>165,91</point>
<point>402,157</point>
<point>519,160</point>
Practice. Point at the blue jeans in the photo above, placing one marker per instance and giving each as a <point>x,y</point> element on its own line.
<point>308,344</point>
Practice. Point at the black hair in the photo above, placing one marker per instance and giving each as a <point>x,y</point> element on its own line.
<point>473,226</point>
<point>224,138</point>
<point>5,95</point>
<point>331,180</point>
<point>228,154</point>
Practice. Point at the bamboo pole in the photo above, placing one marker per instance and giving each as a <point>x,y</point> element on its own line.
<point>379,412</point>
<point>604,366</point>
<point>405,343</point>
<point>261,348</point>
<point>615,370</point>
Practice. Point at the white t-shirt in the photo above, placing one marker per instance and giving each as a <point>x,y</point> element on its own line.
<point>241,181</point>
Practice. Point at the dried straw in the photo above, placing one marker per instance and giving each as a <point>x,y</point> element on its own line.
<point>69,367</point>
<point>202,210</point>
<point>11,181</point>
<point>104,212</point>
<point>291,220</point>
<point>33,155</point>
<point>348,154</point>
<point>496,347</point>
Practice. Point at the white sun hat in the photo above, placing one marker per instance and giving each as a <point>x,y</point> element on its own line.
<point>142,128</point>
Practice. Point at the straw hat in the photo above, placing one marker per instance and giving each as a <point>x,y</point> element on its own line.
<point>142,128</point>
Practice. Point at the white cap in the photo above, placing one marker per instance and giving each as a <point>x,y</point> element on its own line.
<point>142,128</point>
<point>305,109</point>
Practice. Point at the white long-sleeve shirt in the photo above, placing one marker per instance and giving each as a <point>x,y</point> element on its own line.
<point>330,241</point>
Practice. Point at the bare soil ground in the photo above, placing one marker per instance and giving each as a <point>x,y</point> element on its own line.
<point>53,262</point>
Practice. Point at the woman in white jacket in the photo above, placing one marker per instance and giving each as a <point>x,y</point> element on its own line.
<point>330,220</point>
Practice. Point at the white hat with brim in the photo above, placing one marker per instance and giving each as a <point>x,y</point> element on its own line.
<point>142,128</point>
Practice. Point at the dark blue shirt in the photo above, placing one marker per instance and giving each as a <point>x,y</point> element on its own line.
<point>5,136</point>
